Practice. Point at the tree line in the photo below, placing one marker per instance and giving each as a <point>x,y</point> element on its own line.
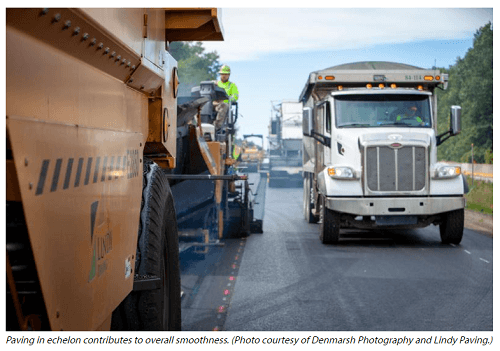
<point>194,64</point>
<point>471,87</point>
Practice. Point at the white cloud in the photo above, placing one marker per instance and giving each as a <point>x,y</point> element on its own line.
<point>253,32</point>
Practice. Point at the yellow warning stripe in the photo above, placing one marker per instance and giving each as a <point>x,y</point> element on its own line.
<point>488,175</point>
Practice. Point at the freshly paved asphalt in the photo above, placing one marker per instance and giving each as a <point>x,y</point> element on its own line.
<point>286,280</point>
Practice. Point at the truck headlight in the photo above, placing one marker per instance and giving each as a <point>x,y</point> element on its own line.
<point>341,172</point>
<point>447,172</point>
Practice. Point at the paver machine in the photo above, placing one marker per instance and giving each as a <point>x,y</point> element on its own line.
<point>213,200</point>
<point>91,106</point>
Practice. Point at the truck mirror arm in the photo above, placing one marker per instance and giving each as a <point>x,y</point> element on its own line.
<point>447,135</point>
<point>323,139</point>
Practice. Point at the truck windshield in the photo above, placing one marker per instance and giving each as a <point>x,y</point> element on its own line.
<point>362,111</point>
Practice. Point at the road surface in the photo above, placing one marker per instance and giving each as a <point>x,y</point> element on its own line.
<point>285,279</point>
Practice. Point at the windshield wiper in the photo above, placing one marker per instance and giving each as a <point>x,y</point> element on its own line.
<point>355,125</point>
<point>391,124</point>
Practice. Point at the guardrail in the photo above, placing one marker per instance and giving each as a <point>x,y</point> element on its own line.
<point>481,171</point>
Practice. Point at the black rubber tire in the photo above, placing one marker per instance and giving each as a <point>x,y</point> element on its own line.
<point>245,214</point>
<point>452,227</point>
<point>157,255</point>
<point>308,203</point>
<point>329,229</point>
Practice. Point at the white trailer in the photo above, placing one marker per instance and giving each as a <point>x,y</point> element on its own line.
<point>369,162</point>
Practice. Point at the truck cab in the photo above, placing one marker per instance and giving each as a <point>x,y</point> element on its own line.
<point>370,151</point>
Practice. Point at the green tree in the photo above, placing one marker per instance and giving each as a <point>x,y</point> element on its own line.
<point>471,87</point>
<point>488,157</point>
<point>194,64</point>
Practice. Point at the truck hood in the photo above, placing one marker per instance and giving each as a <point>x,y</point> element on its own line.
<point>351,136</point>
<point>400,135</point>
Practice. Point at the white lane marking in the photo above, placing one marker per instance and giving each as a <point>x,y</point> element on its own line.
<point>482,259</point>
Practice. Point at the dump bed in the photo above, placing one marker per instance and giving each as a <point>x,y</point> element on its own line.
<point>375,73</point>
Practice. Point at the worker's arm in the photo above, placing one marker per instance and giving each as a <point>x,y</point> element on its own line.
<point>233,92</point>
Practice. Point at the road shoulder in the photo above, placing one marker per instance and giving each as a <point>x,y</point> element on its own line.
<point>479,222</point>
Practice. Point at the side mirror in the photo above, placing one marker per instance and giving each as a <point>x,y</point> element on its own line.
<point>307,121</point>
<point>455,125</point>
<point>455,121</point>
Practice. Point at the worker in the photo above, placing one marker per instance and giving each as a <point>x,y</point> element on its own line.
<point>231,89</point>
<point>411,115</point>
<point>236,152</point>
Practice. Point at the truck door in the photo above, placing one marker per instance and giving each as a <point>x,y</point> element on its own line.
<point>324,127</point>
<point>327,118</point>
<point>319,165</point>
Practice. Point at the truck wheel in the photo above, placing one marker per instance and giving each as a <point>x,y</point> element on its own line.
<point>308,201</point>
<point>304,197</point>
<point>452,227</point>
<point>157,256</point>
<point>329,229</point>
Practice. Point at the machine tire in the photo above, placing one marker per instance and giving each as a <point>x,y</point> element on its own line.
<point>157,255</point>
<point>452,227</point>
<point>308,214</point>
<point>245,220</point>
<point>329,229</point>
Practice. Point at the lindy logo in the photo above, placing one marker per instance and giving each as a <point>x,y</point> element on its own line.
<point>101,245</point>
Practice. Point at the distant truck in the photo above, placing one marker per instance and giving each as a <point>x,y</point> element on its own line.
<point>285,145</point>
<point>370,151</point>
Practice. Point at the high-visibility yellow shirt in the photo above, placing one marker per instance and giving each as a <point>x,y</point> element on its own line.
<point>419,120</point>
<point>236,152</point>
<point>231,90</point>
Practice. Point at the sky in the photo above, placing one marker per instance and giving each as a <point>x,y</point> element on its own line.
<point>271,51</point>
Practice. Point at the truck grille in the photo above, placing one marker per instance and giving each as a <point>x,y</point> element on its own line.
<point>395,169</point>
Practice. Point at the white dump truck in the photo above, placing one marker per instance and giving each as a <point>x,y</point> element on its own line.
<point>285,140</point>
<point>370,151</point>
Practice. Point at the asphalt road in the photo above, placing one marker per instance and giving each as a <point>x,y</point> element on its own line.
<point>285,279</point>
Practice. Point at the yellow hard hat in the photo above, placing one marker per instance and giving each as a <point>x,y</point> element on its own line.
<point>225,70</point>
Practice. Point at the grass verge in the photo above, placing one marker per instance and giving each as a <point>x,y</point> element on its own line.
<point>480,196</point>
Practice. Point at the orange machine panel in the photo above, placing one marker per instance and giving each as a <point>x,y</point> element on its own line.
<point>77,135</point>
<point>81,190</point>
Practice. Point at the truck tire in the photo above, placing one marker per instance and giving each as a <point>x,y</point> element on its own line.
<point>452,227</point>
<point>329,229</point>
<point>308,202</point>
<point>304,197</point>
<point>157,256</point>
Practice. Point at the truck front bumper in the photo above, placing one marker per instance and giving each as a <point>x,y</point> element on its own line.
<point>395,206</point>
